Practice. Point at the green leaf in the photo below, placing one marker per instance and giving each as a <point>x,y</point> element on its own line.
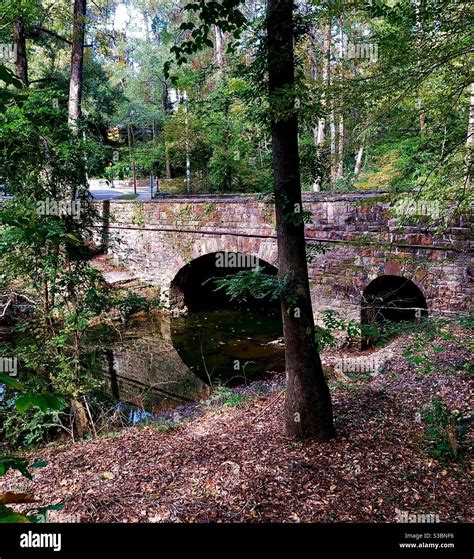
<point>39,464</point>
<point>8,77</point>
<point>71,239</point>
<point>416,360</point>
<point>43,401</point>
<point>7,516</point>
<point>5,96</point>
<point>10,382</point>
<point>187,25</point>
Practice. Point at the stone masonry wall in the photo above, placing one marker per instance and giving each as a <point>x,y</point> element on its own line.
<point>156,239</point>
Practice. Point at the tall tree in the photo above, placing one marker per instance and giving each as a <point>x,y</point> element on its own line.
<point>74,114</point>
<point>219,47</point>
<point>77,63</point>
<point>166,111</point>
<point>341,139</point>
<point>333,145</point>
<point>320,130</point>
<point>358,161</point>
<point>469,141</point>
<point>21,61</point>
<point>308,409</point>
<point>418,101</point>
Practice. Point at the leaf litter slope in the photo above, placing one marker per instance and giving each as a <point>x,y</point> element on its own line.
<point>234,464</point>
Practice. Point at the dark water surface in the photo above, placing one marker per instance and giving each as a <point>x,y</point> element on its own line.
<point>158,361</point>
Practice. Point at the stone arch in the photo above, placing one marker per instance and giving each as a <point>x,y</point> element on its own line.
<point>394,298</point>
<point>190,285</point>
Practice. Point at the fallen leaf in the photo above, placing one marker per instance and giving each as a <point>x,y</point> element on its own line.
<point>9,498</point>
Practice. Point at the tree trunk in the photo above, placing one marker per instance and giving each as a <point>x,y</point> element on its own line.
<point>21,61</point>
<point>418,102</point>
<point>321,136</point>
<point>166,111</point>
<point>358,162</point>
<point>315,75</point>
<point>421,117</point>
<point>146,21</point>
<point>469,141</point>
<point>340,165</point>
<point>187,147</point>
<point>81,423</point>
<point>77,63</point>
<point>320,132</point>
<point>332,129</point>
<point>167,163</point>
<point>219,47</point>
<point>308,409</point>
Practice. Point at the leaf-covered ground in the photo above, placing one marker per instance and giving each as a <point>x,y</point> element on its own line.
<point>234,464</point>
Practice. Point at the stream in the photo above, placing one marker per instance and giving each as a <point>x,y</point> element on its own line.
<point>158,361</point>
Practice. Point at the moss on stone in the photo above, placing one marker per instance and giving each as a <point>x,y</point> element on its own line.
<point>138,216</point>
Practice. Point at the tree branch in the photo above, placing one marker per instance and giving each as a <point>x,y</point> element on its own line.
<point>52,34</point>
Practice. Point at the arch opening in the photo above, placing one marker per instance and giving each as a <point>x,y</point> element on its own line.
<point>221,340</point>
<point>392,299</point>
<point>193,287</point>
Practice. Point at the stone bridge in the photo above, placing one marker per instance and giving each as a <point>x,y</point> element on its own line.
<point>171,242</point>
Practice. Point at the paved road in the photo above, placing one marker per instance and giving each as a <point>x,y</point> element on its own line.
<point>109,193</point>
<point>106,194</point>
<point>114,193</point>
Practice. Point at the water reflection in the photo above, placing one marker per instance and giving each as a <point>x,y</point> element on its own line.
<point>159,362</point>
<point>229,345</point>
<point>142,367</point>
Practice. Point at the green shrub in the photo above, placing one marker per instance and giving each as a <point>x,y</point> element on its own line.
<point>224,396</point>
<point>324,335</point>
<point>32,426</point>
<point>131,303</point>
<point>164,425</point>
<point>441,431</point>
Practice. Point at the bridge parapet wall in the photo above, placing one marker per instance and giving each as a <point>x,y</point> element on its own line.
<point>156,239</point>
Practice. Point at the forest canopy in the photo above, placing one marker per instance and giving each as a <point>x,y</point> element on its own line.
<point>383,92</point>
